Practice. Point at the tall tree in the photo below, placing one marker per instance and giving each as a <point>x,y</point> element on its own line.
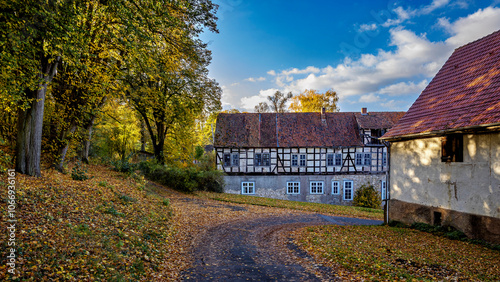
<point>34,39</point>
<point>262,107</point>
<point>312,101</point>
<point>278,101</point>
<point>167,81</point>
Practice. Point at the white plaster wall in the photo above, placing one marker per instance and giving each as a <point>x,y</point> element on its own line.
<point>418,176</point>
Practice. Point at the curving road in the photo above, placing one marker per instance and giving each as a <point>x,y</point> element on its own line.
<point>259,250</point>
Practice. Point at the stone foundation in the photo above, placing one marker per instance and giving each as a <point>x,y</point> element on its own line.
<point>474,226</point>
<point>275,186</point>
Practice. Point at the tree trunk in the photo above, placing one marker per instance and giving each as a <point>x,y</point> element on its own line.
<point>30,124</point>
<point>86,142</point>
<point>143,136</point>
<point>64,149</point>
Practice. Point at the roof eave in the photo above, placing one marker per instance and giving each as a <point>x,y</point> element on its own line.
<point>471,129</point>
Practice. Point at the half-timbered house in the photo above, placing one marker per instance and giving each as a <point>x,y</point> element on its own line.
<point>315,157</point>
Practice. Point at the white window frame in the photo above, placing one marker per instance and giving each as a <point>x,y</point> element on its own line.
<point>384,158</point>
<point>367,159</point>
<point>250,188</point>
<point>383,189</point>
<point>330,159</point>
<point>335,184</point>
<point>317,187</point>
<point>234,159</point>
<point>265,159</point>
<point>290,187</point>
<point>299,160</point>
<point>359,159</point>
<point>336,158</point>
<point>350,189</point>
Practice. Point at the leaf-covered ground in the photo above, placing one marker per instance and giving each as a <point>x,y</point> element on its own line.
<point>384,253</point>
<point>118,227</point>
<point>107,227</point>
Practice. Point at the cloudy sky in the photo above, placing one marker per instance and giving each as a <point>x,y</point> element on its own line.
<point>375,54</point>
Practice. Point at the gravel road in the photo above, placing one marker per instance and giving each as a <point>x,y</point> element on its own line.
<point>260,250</point>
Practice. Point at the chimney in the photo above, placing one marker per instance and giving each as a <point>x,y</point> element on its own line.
<point>364,111</point>
<point>323,115</point>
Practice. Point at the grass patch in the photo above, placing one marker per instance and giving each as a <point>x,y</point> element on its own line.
<point>348,211</point>
<point>392,253</point>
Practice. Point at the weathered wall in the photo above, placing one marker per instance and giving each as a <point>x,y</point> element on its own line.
<point>275,186</point>
<point>472,186</point>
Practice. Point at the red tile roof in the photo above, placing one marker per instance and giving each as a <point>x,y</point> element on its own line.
<point>465,93</point>
<point>296,129</point>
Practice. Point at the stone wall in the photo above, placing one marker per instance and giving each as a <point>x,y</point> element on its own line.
<point>275,186</point>
<point>474,226</point>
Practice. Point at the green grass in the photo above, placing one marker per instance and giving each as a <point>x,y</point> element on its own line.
<point>347,211</point>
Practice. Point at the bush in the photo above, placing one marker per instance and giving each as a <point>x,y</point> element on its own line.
<point>79,172</point>
<point>184,179</point>
<point>367,196</point>
<point>124,165</point>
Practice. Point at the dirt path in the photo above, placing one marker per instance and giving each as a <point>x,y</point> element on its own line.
<point>259,250</point>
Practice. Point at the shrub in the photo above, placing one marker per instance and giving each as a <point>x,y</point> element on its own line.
<point>184,179</point>
<point>124,165</point>
<point>367,196</point>
<point>79,172</point>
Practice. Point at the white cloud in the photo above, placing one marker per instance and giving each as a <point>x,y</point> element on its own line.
<point>369,98</point>
<point>271,72</point>
<point>249,103</point>
<point>252,79</point>
<point>472,27</point>
<point>367,27</point>
<point>404,88</point>
<point>307,70</point>
<point>436,4</point>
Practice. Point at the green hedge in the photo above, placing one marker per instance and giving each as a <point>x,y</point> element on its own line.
<point>184,179</point>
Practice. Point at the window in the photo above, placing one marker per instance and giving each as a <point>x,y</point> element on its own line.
<point>359,158</point>
<point>348,190</point>
<point>452,148</point>
<point>363,159</point>
<point>338,159</point>
<point>293,187</point>
<point>231,159</point>
<point>227,159</point>
<point>329,159</point>
<point>367,159</point>
<point>334,159</point>
<point>299,160</point>
<point>383,189</point>
<point>247,187</point>
<point>316,187</point>
<point>302,160</point>
<point>235,159</point>
<point>262,159</point>
<point>384,159</point>
<point>335,187</point>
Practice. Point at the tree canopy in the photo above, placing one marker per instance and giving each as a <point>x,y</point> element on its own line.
<point>313,101</point>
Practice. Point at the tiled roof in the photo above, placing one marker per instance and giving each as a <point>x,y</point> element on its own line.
<point>294,129</point>
<point>378,120</point>
<point>465,93</point>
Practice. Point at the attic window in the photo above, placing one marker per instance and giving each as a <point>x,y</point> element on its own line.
<point>452,148</point>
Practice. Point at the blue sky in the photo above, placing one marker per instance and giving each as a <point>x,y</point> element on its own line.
<point>374,54</point>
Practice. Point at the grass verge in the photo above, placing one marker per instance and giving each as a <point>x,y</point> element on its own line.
<point>347,211</point>
<point>386,253</point>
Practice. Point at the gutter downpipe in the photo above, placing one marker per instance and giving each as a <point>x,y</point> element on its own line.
<point>387,181</point>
